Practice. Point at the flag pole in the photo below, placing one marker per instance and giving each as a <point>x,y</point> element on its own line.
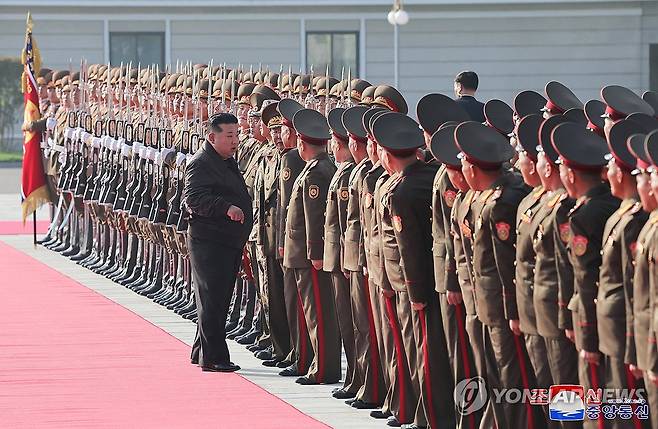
<point>34,227</point>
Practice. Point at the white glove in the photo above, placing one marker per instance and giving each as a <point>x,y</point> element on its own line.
<point>126,150</point>
<point>51,123</point>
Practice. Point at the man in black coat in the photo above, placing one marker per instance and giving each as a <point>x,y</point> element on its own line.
<point>221,218</point>
<point>466,83</point>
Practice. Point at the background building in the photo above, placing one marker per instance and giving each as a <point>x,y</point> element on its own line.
<point>512,44</point>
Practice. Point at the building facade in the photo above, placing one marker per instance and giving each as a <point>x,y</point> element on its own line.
<point>512,44</point>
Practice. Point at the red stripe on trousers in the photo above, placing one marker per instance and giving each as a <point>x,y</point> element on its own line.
<point>372,338</point>
<point>630,378</point>
<point>524,378</point>
<point>318,308</point>
<point>461,332</point>
<point>246,265</point>
<point>399,352</point>
<point>303,334</point>
<point>595,386</point>
<point>426,370</point>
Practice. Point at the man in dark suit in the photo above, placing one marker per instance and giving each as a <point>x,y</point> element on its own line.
<point>216,197</point>
<point>466,83</point>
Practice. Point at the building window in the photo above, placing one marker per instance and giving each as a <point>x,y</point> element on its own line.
<point>140,48</point>
<point>336,49</point>
<point>653,67</point>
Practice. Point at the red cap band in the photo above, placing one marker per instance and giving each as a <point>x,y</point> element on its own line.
<point>553,108</point>
<point>614,115</point>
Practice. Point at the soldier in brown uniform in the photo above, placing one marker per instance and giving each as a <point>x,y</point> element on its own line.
<point>259,334</point>
<point>304,249</point>
<point>405,397</point>
<point>398,335</point>
<point>410,197</point>
<point>334,238</point>
<point>365,297</point>
<point>531,212</point>
<point>291,166</point>
<point>484,151</point>
<point>266,205</point>
<point>581,160</point>
<point>644,282</point>
<point>400,402</point>
<point>433,111</point>
<point>469,352</point>
<point>553,279</point>
<point>245,294</point>
<point>615,294</point>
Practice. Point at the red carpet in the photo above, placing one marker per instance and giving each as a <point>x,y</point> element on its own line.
<point>10,227</point>
<point>71,358</point>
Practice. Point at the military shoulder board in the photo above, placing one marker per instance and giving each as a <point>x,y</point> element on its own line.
<point>636,208</point>
<point>556,198</point>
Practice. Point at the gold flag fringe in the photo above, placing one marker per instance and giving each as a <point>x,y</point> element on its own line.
<point>36,199</point>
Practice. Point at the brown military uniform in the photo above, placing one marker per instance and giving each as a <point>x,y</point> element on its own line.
<point>494,236</point>
<point>245,151</point>
<point>461,227</point>
<point>446,279</point>
<point>553,287</point>
<point>303,243</point>
<point>383,306</point>
<point>334,238</point>
<point>587,222</point>
<point>532,210</point>
<point>644,305</point>
<point>398,335</point>
<point>291,166</point>
<point>615,298</point>
<point>410,209</point>
<point>265,207</point>
<point>250,177</point>
<point>365,296</point>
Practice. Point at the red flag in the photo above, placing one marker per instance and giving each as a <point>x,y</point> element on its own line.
<point>34,191</point>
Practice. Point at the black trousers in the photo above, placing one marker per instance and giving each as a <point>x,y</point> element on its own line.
<point>214,271</point>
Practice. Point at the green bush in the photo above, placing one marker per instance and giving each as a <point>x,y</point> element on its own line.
<point>11,99</point>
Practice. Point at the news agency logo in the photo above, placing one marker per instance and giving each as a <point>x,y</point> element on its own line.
<point>470,395</point>
<point>566,403</point>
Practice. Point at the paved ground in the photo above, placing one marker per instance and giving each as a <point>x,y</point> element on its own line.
<point>10,178</point>
<point>314,401</point>
<point>10,194</point>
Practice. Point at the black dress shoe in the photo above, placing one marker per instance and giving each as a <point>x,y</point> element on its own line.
<point>255,348</point>
<point>361,405</point>
<point>393,422</point>
<point>264,355</point>
<point>305,381</point>
<point>379,414</point>
<point>248,338</point>
<point>284,364</point>
<point>220,367</point>
<point>237,332</point>
<point>343,394</point>
<point>230,326</point>
<point>291,371</point>
<point>271,363</point>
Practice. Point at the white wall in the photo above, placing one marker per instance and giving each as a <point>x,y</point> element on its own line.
<point>512,47</point>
